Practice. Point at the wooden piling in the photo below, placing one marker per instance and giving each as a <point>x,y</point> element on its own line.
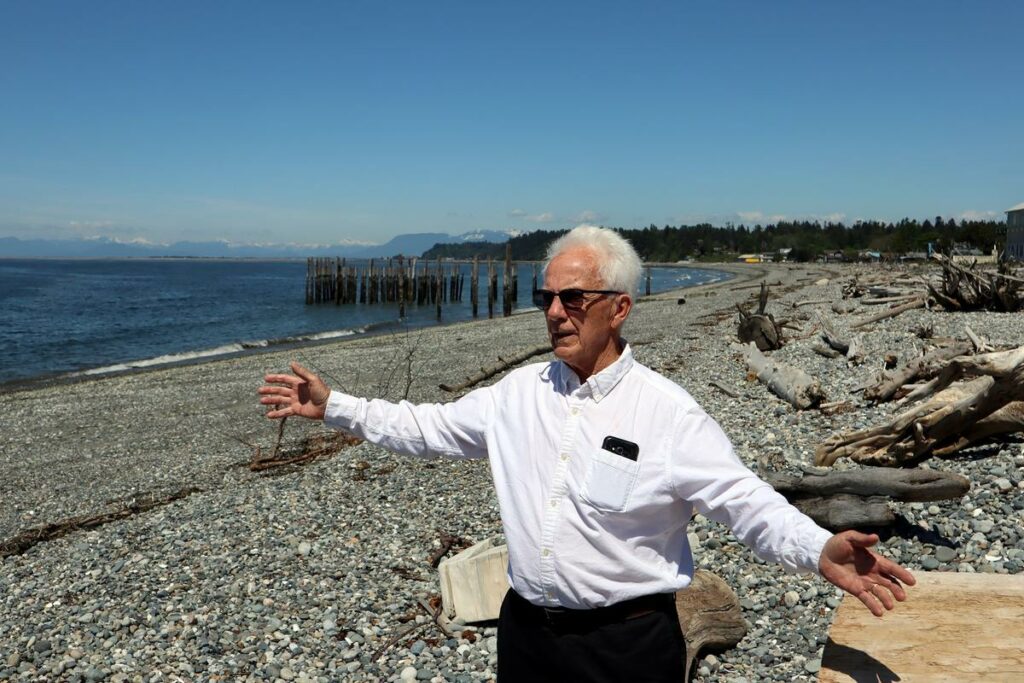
<point>474,284</point>
<point>506,283</point>
<point>647,289</point>
<point>492,286</point>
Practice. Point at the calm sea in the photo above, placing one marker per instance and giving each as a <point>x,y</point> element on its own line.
<point>60,318</point>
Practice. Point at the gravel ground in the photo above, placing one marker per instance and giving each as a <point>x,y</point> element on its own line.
<point>312,574</point>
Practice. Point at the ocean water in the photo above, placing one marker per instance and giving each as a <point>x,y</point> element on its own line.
<point>71,317</point>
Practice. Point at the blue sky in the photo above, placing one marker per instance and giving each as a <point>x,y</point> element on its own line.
<point>318,122</point>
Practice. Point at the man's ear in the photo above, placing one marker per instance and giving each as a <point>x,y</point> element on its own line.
<point>623,305</point>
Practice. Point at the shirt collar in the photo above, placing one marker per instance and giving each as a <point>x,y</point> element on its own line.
<point>597,386</point>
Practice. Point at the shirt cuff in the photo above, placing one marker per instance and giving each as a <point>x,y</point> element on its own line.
<point>817,546</point>
<point>340,411</point>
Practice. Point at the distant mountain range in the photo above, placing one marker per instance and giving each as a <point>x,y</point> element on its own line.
<point>413,244</point>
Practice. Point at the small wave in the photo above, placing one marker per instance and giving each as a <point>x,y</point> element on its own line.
<point>223,350</point>
<point>163,360</point>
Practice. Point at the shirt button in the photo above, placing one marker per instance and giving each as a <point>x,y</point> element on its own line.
<point>545,552</point>
<point>565,456</point>
<point>575,411</point>
<point>554,502</point>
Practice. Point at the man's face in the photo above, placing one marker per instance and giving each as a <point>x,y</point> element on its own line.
<point>582,338</point>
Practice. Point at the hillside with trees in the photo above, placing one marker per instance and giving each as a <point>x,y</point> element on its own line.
<point>807,239</point>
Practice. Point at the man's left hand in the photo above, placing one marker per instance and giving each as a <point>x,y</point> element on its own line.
<point>847,562</point>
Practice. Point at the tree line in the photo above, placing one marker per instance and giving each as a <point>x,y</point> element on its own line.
<point>807,239</point>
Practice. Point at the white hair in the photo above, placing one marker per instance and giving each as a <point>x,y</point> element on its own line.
<point>618,263</point>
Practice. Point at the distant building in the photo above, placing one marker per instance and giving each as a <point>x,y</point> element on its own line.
<point>1015,232</point>
<point>869,256</point>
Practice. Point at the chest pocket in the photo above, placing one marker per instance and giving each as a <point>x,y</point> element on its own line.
<point>610,480</point>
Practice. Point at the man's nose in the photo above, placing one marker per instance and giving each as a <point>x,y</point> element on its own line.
<point>555,310</point>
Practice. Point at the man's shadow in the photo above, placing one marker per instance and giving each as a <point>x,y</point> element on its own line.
<point>857,664</point>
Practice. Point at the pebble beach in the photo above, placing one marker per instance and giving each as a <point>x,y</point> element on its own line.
<point>315,572</point>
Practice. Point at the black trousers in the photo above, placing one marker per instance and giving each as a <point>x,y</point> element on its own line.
<point>535,647</point>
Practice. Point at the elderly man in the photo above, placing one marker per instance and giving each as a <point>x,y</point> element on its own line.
<point>599,464</point>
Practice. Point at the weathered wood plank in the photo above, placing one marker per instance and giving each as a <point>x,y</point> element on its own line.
<point>953,627</point>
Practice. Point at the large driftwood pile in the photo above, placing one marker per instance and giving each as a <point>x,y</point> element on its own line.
<point>958,393</point>
<point>954,416</point>
<point>969,288</point>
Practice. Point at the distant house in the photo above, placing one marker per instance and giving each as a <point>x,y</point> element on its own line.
<point>870,256</point>
<point>835,256</point>
<point>1015,232</point>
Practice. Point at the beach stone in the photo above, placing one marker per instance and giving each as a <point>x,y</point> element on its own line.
<point>1003,485</point>
<point>983,526</point>
<point>791,598</point>
<point>945,553</point>
<point>305,548</point>
<point>408,674</point>
<point>930,563</point>
<point>417,647</point>
<point>812,666</point>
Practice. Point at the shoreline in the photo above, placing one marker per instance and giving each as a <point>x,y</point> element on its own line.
<point>287,343</point>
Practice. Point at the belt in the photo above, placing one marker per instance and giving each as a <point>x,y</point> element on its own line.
<point>563,617</point>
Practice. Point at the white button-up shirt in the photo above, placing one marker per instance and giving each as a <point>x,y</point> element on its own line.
<point>586,527</point>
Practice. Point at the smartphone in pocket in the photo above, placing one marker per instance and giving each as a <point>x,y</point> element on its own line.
<point>626,449</point>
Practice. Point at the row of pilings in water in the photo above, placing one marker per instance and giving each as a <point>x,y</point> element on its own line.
<point>411,281</point>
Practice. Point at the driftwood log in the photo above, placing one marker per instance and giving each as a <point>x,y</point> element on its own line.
<point>787,382</point>
<point>924,366</point>
<point>909,486</point>
<point>852,348</point>
<point>860,498</point>
<point>760,328</point>
<point>843,307</point>
<point>24,540</point>
<point>892,312</point>
<point>709,615</point>
<point>492,370</point>
<point>954,417</point>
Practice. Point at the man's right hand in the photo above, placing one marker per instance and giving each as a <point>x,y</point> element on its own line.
<point>303,394</point>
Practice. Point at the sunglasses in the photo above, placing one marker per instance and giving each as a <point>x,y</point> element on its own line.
<point>572,299</point>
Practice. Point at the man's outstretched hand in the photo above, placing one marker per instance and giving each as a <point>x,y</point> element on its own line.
<point>303,394</point>
<point>847,562</point>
